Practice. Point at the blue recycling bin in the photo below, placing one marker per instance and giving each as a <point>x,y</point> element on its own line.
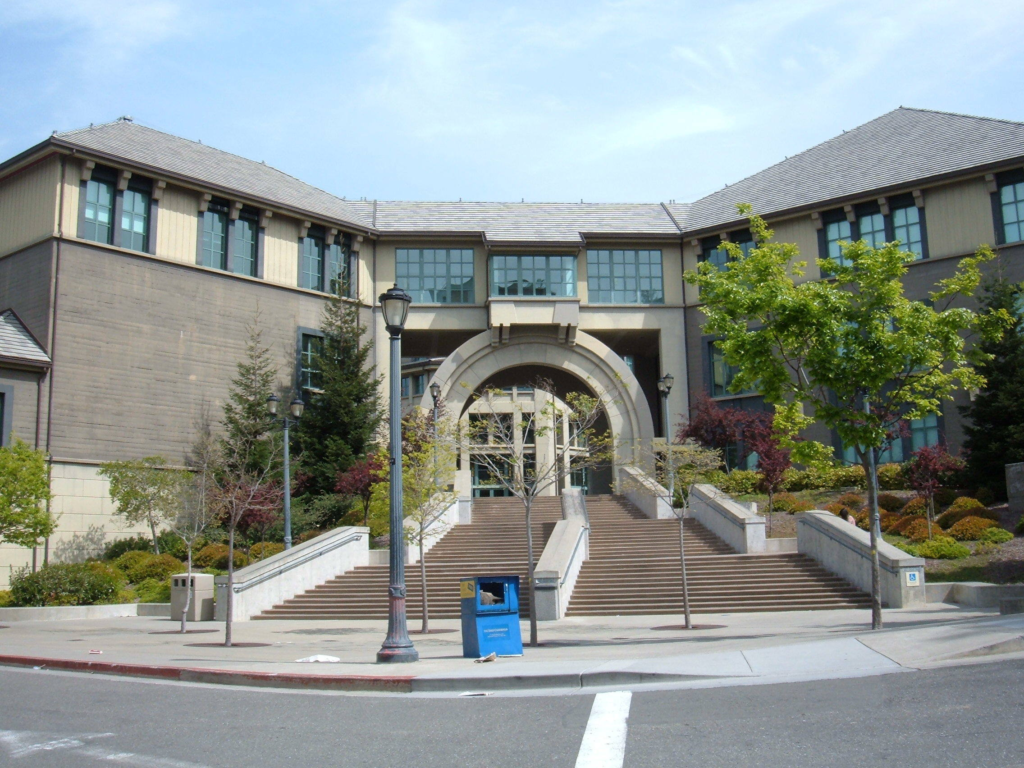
<point>490,616</point>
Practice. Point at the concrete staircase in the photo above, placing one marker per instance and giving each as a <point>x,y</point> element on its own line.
<point>634,569</point>
<point>493,544</point>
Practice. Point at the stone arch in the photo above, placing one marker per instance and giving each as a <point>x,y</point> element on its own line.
<point>589,360</point>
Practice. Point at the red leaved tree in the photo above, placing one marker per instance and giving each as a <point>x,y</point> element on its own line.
<point>358,481</point>
<point>712,426</point>
<point>930,468</point>
<point>772,459</point>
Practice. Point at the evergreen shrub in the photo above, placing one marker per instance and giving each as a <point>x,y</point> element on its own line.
<point>889,502</point>
<point>787,502</point>
<point>118,547</point>
<point>892,477</point>
<point>971,528</point>
<point>264,549</point>
<point>941,548</point>
<point>918,530</point>
<point>216,556</point>
<point>996,535</point>
<point>67,584</point>
<point>916,506</point>
<point>965,507</point>
<point>154,590</point>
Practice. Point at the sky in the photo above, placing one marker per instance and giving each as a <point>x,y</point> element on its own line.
<point>556,100</point>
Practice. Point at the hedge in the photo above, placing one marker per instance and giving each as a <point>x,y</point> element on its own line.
<point>67,584</point>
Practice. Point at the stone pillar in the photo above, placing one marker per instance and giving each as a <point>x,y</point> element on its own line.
<point>1015,486</point>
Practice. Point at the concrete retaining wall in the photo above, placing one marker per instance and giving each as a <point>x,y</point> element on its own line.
<point>973,594</point>
<point>645,493</point>
<point>560,563</point>
<point>845,550</point>
<point>72,612</point>
<point>736,524</point>
<point>269,582</point>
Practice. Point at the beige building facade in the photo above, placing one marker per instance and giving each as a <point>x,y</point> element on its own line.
<point>134,261</point>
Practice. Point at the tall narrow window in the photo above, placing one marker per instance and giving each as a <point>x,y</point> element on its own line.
<point>214,252</point>
<point>245,243</point>
<point>721,373</point>
<point>98,216</point>
<point>711,250</point>
<point>924,432</point>
<point>906,228</point>
<point>135,220</point>
<point>533,275</point>
<point>1011,205</point>
<point>871,228</point>
<point>339,278</point>
<point>624,277</point>
<point>836,232</point>
<point>309,371</point>
<point>436,275</point>
<point>311,263</point>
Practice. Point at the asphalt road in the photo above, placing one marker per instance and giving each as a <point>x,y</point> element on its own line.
<point>963,716</point>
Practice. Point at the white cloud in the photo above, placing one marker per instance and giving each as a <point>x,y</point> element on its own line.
<point>653,126</point>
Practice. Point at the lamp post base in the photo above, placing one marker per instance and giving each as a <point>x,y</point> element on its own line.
<point>397,654</point>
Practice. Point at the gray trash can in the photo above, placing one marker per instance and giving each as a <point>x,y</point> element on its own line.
<point>201,606</point>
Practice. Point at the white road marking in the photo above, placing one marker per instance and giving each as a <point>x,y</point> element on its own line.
<point>604,742</point>
<point>24,743</point>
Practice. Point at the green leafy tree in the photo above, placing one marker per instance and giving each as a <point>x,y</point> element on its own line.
<point>343,410</point>
<point>854,347</point>
<point>24,491</point>
<point>142,491</point>
<point>995,434</point>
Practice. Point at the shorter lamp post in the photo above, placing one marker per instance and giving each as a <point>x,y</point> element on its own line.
<point>397,647</point>
<point>295,409</point>
<point>664,387</point>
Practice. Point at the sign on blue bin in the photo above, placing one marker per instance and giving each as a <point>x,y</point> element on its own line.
<point>490,616</point>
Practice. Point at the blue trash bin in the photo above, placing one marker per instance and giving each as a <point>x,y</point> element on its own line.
<point>490,616</point>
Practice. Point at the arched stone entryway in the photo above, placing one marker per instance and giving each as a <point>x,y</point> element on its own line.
<point>589,360</point>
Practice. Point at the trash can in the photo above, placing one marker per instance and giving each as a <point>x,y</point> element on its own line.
<point>200,608</point>
<point>490,616</point>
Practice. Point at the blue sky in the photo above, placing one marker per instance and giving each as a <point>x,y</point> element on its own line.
<point>545,101</point>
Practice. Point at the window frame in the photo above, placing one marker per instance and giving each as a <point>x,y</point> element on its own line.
<point>250,216</point>
<point>315,234</point>
<point>708,352</point>
<point>593,275</point>
<point>6,414</point>
<point>466,290</point>
<point>215,206</point>
<point>547,269</point>
<point>902,202</point>
<point>112,177</point>
<point>1005,179</point>
<point>302,333</point>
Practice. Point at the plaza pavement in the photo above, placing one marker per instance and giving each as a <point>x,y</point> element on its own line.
<point>575,654</point>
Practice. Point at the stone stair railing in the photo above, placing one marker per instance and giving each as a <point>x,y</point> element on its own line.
<point>560,563</point>
<point>645,493</point>
<point>738,525</point>
<point>459,512</point>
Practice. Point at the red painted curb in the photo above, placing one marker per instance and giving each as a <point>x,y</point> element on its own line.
<point>390,684</point>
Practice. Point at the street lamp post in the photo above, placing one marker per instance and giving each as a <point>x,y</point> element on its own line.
<point>664,387</point>
<point>295,409</point>
<point>397,647</point>
<point>435,394</point>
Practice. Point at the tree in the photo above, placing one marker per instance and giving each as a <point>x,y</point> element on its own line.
<point>358,481</point>
<point>995,434</point>
<point>343,410</point>
<point>853,347</point>
<point>713,426</point>
<point>246,480</point>
<point>930,468</point>
<point>495,440</point>
<point>773,459</point>
<point>142,491</point>
<point>24,491</point>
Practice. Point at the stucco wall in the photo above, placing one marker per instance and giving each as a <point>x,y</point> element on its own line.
<point>28,204</point>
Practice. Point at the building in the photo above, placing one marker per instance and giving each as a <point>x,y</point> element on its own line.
<point>131,262</point>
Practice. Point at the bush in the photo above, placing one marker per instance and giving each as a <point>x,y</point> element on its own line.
<point>67,584</point>
<point>154,590</point>
<point>916,506</point>
<point>985,496</point>
<point>171,544</point>
<point>216,556</point>
<point>900,527</point>
<point>134,544</point>
<point>264,549</point>
<point>996,535</point>
<point>740,482</point>
<point>6,599</point>
<point>889,502</point>
<point>837,509</point>
<point>892,477</point>
<point>965,507</point>
<point>944,497</point>
<point>130,560</point>
<point>157,567</point>
<point>941,548</point>
<point>851,501</point>
<point>918,530</point>
<point>888,519</point>
<point>316,532</point>
<point>847,477</point>
<point>787,502</point>
<point>971,528</point>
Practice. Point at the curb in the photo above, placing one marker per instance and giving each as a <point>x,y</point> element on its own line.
<point>389,684</point>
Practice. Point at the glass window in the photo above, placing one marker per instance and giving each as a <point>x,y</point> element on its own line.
<point>871,228</point>
<point>99,211</point>
<point>419,383</point>
<point>533,275</point>
<point>892,454</point>
<point>906,227</point>
<point>215,237</point>
<point>309,371</point>
<point>405,386</point>
<point>722,374</point>
<point>624,277</point>
<point>712,250</point>
<point>835,232</point>
<point>135,220</point>
<point>924,432</point>
<point>630,362</point>
<point>1011,200</point>
<point>436,275</point>
<point>339,280</point>
<point>311,263</point>
<point>243,249</point>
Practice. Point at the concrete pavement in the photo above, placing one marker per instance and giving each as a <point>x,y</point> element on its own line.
<point>576,653</point>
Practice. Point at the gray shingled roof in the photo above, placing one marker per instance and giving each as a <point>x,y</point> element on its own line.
<point>900,147</point>
<point>16,342</point>
<point>150,148</point>
<point>526,222</point>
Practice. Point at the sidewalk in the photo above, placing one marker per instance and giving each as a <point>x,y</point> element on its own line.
<point>575,653</point>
